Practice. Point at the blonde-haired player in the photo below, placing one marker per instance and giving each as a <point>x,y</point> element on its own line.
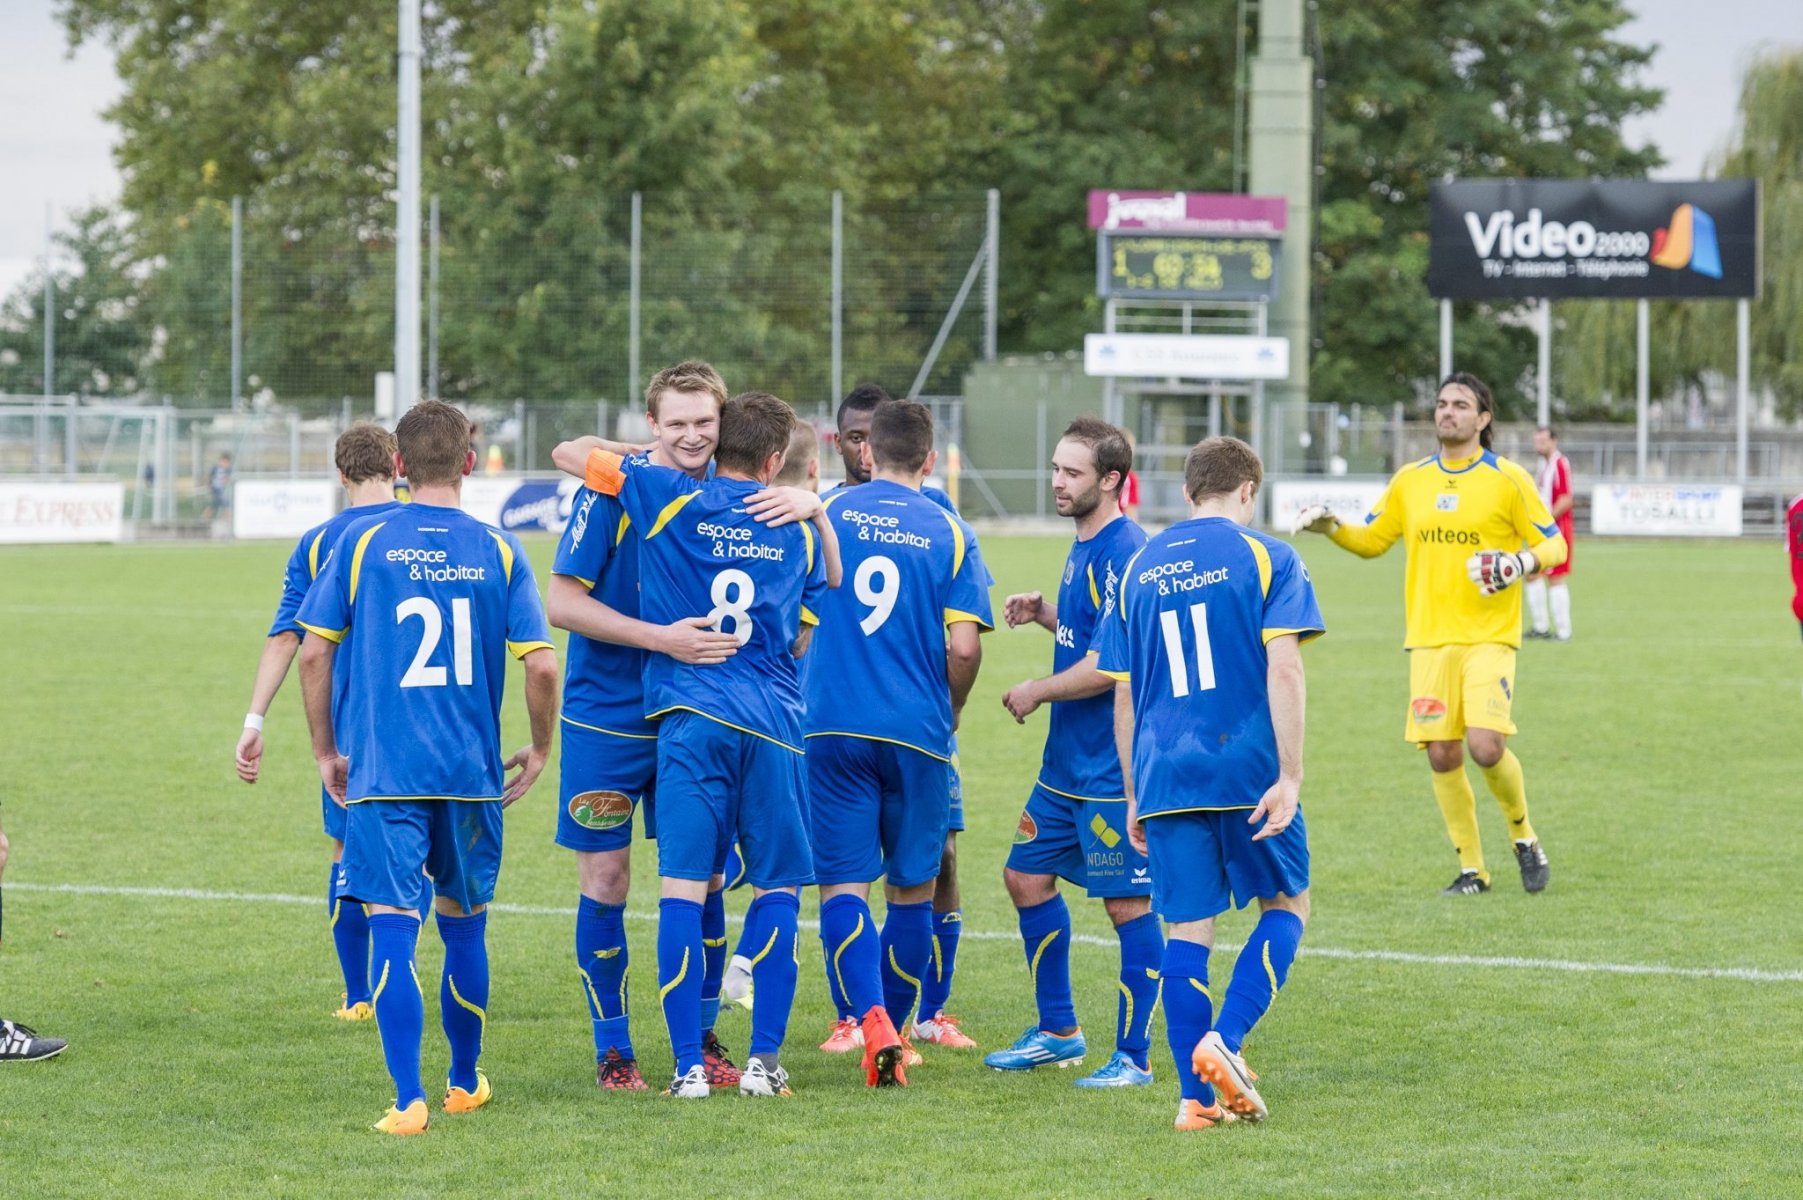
<point>1463,513</point>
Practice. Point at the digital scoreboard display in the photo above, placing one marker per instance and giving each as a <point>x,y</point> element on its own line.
<point>1179,267</point>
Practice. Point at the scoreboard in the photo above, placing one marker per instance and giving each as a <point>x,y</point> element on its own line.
<point>1157,266</point>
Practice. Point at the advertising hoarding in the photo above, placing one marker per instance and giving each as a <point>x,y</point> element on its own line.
<point>62,512</point>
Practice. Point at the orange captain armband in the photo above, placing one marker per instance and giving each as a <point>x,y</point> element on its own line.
<point>602,473</point>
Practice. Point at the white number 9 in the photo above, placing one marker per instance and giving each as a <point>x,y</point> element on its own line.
<point>735,608</point>
<point>878,584</point>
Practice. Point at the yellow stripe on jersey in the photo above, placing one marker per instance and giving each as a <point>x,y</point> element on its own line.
<point>807,533</point>
<point>1095,595</point>
<point>357,557</point>
<point>1120,595</point>
<point>807,615</point>
<point>522,649</point>
<point>1263,557</point>
<point>957,541</point>
<point>313,555</point>
<point>620,533</point>
<point>330,635</point>
<point>506,555</point>
<point>957,616</point>
<point>669,513</point>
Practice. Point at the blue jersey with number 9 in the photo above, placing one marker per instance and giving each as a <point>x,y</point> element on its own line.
<point>425,604</point>
<point>1195,610</point>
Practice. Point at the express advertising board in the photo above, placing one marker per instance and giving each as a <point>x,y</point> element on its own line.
<point>281,508</point>
<point>518,504</point>
<point>1600,239</point>
<point>1351,500</point>
<point>62,512</point>
<point>1666,509</point>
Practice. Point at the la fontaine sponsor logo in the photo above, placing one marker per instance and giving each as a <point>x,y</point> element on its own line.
<point>1026,831</point>
<point>600,810</point>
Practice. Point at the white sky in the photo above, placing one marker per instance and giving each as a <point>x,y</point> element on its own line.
<point>56,150</point>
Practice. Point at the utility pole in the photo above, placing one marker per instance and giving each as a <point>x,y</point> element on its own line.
<point>406,217</point>
<point>1283,164</point>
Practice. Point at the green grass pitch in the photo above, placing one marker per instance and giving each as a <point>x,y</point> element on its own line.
<point>1660,749</point>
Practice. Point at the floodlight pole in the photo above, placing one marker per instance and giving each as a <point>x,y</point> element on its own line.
<point>237,303</point>
<point>838,295</point>
<point>406,222</point>
<point>1743,321</point>
<point>49,301</point>
<point>1543,384</point>
<point>1642,387</point>
<point>1445,338</point>
<point>992,239</point>
<point>632,309</point>
<point>431,386</point>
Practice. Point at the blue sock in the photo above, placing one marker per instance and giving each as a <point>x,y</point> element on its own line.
<point>841,1004</point>
<point>936,984</point>
<point>775,915</point>
<point>463,993</point>
<point>1142,950</point>
<point>679,977</point>
<point>713,955</point>
<point>601,960</point>
<point>907,947</point>
<point>400,1008</point>
<point>1261,968</point>
<point>350,935</point>
<point>852,952</point>
<point>1187,1012</point>
<point>1046,929</point>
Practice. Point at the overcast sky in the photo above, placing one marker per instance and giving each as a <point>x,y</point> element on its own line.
<point>55,148</point>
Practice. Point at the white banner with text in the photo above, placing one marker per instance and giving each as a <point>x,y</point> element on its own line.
<point>281,508</point>
<point>1666,509</point>
<point>62,512</point>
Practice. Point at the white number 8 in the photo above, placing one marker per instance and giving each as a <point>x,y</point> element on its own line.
<point>886,576</point>
<point>736,608</point>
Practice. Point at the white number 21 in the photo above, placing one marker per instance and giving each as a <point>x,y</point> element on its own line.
<point>1173,651</point>
<point>419,674</point>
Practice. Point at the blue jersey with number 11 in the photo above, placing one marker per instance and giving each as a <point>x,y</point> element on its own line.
<point>425,604</point>
<point>1194,613</point>
<point>878,659</point>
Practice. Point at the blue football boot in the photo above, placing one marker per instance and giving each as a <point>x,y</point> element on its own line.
<point>1037,1048</point>
<point>1118,1071</point>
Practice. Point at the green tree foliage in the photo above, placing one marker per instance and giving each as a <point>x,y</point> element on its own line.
<point>101,339</point>
<point>737,120</point>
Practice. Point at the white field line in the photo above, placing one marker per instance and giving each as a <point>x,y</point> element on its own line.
<point>1505,962</point>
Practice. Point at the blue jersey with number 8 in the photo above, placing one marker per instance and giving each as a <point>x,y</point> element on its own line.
<point>911,569</point>
<point>1195,610</point>
<point>425,604</point>
<point>704,555</point>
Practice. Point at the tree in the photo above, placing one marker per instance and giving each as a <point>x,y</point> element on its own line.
<point>101,339</point>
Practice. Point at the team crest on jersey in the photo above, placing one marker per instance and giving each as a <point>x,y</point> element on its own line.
<point>600,810</point>
<point>1026,831</point>
<point>1427,710</point>
<point>1070,569</point>
<point>1447,502</point>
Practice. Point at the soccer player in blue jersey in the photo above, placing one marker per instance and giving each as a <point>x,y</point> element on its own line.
<point>609,759</point>
<point>423,604</point>
<point>364,455</point>
<point>935,1024</point>
<point>1206,640</point>
<point>879,780</point>
<point>1074,826</point>
<point>729,753</point>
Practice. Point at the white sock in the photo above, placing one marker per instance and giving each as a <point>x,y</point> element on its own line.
<point>1562,610</point>
<point>1536,592</point>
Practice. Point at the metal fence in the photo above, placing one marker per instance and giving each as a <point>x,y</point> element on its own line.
<point>236,306</point>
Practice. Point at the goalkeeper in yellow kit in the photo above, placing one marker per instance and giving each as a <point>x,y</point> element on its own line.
<point>1465,513</point>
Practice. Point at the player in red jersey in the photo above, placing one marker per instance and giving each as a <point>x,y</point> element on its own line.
<point>1793,541</point>
<point>1547,590</point>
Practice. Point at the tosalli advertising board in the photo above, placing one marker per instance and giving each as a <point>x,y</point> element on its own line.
<point>1666,509</point>
<point>1186,356</point>
<point>62,512</point>
<point>281,508</point>
<point>1600,239</point>
<point>1351,500</point>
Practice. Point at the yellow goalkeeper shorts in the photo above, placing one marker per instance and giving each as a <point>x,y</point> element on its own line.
<point>1452,688</point>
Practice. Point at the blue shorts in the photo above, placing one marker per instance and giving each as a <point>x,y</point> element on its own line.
<point>957,822</point>
<point>390,847</point>
<point>716,783</point>
<point>875,809</point>
<point>331,814</point>
<point>1083,841</point>
<point>1204,863</point>
<point>602,778</point>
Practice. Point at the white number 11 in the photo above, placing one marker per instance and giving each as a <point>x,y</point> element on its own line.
<point>1173,651</point>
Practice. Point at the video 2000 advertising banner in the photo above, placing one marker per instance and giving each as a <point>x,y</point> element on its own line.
<point>1622,239</point>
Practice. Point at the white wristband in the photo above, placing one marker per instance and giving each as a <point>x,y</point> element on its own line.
<point>253,721</point>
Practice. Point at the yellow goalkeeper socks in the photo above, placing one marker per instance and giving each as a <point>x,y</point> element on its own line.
<point>1511,792</point>
<point>1458,804</point>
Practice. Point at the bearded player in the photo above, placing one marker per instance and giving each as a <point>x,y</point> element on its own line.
<point>1464,514</point>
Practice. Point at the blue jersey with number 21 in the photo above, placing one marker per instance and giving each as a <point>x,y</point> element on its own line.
<point>1195,611</point>
<point>425,604</point>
